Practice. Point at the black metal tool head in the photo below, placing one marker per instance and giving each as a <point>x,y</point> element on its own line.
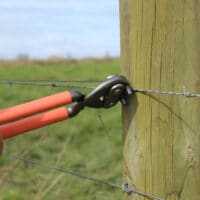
<point>114,89</point>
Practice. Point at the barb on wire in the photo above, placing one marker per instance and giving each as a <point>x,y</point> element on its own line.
<point>123,187</point>
<point>126,189</point>
<point>176,93</point>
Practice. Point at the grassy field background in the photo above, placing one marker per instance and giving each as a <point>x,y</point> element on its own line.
<point>90,144</point>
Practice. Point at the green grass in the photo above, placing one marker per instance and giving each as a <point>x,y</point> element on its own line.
<point>81,144</point>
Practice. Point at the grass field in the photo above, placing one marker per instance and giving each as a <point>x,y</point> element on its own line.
<point>90,143</point>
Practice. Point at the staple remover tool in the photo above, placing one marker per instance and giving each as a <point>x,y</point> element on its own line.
<point>48,110</point>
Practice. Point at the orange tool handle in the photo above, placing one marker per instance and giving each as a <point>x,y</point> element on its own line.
<point>16,128</point>
<point>34,107</point>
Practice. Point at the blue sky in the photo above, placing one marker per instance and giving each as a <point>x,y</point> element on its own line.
<point>44,28</point>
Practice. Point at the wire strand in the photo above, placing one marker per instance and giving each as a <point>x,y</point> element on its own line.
<point>54,84</point>
<point>63,84</point>
<point>176,93</point>
<point>123,187</point>
<point>57,81</point>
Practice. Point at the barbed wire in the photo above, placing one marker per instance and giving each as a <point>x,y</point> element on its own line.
<point>57,81</point>
<point>64,84</point>
<point>124,187</point>
<point>176,93</point>
<point>53,84</point>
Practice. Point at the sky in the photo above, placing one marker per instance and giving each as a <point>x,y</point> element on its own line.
<point>76,28</point>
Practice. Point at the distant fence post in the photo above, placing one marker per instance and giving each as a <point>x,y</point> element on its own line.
<point>160,49</point>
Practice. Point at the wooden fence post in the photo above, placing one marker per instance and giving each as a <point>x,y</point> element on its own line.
<point>160,49</point>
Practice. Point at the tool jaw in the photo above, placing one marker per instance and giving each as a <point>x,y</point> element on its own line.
<point>114,89</point>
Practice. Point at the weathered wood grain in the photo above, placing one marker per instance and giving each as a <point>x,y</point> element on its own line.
<point>160,49</point>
